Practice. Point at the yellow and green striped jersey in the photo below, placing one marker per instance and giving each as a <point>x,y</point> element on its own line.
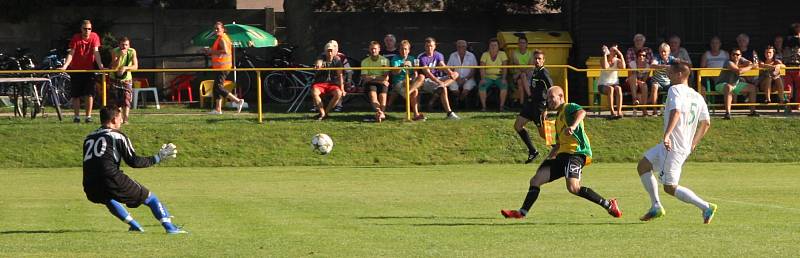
<point>578,142</point>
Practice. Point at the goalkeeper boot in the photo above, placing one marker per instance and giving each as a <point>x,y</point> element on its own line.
<point>512,214</point>
<point>708,214</point>
<point>134,228</point>
<point>613,208</point>
<point>172,229</point>
<point>654,212</point>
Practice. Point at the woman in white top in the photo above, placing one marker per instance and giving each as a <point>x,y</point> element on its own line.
<point>714,57</point>
<point>608,83</point>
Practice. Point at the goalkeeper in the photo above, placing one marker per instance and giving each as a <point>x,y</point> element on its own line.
<point>105,183</point>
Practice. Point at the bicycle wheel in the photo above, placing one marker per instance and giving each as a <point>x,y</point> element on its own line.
<point>245,80</point>
<point>280,88</point>
<point>61,85</point>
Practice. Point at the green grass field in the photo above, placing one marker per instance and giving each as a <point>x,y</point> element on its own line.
<point>432,211</point>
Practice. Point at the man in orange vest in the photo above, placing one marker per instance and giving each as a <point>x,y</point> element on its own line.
<point>221,58</point>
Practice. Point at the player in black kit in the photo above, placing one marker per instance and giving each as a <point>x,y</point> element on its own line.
<point>105,183</point>
<point>535,104</point>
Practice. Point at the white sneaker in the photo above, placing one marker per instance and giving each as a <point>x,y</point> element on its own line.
<point>239,107</point>
<point>214,112</point>
<point>452,116</point>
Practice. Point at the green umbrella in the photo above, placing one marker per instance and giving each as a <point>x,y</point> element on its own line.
<point>241,36</point>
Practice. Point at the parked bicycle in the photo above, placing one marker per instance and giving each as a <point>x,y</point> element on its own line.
<point>286,86</point>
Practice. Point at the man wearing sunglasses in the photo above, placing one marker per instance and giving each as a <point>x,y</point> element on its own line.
<point>83,54</point>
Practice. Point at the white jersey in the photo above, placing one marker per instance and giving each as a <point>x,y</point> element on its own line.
<point>692,108</point>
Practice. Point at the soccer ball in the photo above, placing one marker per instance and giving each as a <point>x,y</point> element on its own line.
<point>321,143</point>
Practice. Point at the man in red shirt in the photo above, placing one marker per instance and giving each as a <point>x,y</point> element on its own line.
<point>83,54</point>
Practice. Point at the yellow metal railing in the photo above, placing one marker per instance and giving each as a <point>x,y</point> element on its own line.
<point>591,74</point>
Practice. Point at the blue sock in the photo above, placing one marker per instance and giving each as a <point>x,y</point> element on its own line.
<point>159,211</point>
<point>121,213</point>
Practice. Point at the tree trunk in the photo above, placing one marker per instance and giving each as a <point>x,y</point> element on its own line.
<point>300,27</point>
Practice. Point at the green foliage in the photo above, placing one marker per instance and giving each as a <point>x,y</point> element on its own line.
<point>284,139</point>
<point>421,211</point>
<point>504,6</point>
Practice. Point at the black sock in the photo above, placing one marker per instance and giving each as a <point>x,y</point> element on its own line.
<point>530,198</point>
<point>588,194</point>
<point>526,138</point>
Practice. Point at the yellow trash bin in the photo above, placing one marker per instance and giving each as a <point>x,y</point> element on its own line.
<point>555,44</point>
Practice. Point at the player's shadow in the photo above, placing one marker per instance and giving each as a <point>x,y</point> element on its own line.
<point>457,224</point>
<point>54,231</point>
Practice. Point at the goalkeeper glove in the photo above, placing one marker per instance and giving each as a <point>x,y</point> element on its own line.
<point>167,151</point>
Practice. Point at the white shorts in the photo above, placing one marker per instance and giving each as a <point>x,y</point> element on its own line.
<point>666,164</point>
<point>430,86</point>
<point>468,85</point>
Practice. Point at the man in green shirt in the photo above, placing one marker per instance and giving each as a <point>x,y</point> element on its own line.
<point>569,155</point>
<point>123,60</point>
<point>377,81</point>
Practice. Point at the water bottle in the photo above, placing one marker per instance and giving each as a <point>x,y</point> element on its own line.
<point>755,57</point>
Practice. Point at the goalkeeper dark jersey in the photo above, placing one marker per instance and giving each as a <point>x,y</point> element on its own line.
<point>103,150</point>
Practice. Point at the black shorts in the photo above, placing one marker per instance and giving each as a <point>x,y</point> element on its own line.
<point>131,193</point>
<point>533,111</point>
<point>376,87</point>
<point>219,85</point>
<point>569,165</point>
<point>82,84</point>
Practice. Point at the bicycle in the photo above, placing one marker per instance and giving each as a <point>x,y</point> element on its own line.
<point>22,97</point>
<point>286,86</point>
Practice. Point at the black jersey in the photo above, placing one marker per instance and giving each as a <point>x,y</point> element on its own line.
<point>540,82</point>
<point>103,150</point>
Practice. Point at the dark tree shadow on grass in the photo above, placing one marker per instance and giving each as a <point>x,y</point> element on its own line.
<point>53,231</point>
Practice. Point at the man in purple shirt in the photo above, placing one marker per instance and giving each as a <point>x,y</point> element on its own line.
<point>437,79</point>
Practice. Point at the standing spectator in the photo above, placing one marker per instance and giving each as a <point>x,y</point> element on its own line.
<point>660,80</point>
<point>534,108</point>
<point>83,54</point>
<point>221,58</point>
<point>437,76</point>
<point>715,57</point>
<point>638,43</point>
<point>404,59</point>
<point>730,83</point>
<point>376,80</point>
<point>679,52</point>
<point>522,76</point>
<point>390,49</point>
<point>792,59</point>
<point>608,83</point>
<point>327,82</point>
<point>769,78</point>
<point>465,81</point>
<point>638,80</point>
<point>123,60</point>
<point>493,76</point>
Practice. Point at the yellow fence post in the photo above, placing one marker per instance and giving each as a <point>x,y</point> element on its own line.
<point>566,85</point>
<point>258,85</point>
<point>408,101</point>
<point>104,89</point>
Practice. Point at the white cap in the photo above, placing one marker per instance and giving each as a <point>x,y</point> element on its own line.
<point>329,46</point>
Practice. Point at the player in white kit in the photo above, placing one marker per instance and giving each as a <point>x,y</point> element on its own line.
<point>684,110</point>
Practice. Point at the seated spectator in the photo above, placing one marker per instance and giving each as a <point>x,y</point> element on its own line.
<point>743,43</point>
<point>608,83</point>
<point>493,77</point>
<point>792,59</point>
<point>730,83</point>
<point>679,52</point>
<point>390,49</point>
<point>377,81</point>
<point>660,80</point>
<point>348,74</point>
<point>769,78</point>
<point>522,76</point>
<point>327,82</point>
<point>465,81</point>
<point>437,76</point>
<point>638,44</point>
<point>403,59</point>
<point>638,80</point>
<point>777,42</point>
<point>715,57</point>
